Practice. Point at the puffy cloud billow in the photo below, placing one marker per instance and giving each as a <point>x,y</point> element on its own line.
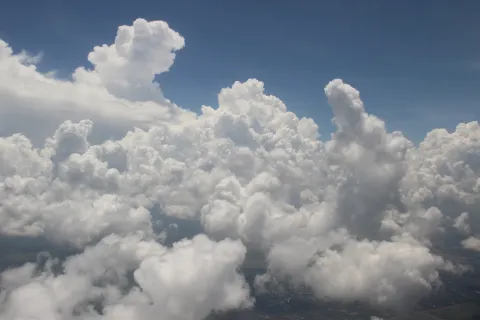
<point>188,281</point>
<point>95,162</point>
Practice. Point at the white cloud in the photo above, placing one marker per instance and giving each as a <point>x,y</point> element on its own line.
<point>188,281</point>
<point>127,68</point>
<point>345,217</point>
<point>117,93</point>
<point>472,243</point>
<point>461,223</point>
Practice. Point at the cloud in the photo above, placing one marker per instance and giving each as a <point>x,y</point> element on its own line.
<point>117,93</point>
<point>188,281</point>
<point>127,68</point>
<point>472,243</point>
<point>345,217</point>
<point>461,223</point>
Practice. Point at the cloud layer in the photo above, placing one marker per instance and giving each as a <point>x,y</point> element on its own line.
<point>353,218</point>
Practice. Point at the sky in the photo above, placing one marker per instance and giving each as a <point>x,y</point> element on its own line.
<point>100,160</point>
<point>417,63</point>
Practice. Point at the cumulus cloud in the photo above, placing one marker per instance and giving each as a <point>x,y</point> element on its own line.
<point>188,281</point>
<point>127,68</point>
<point>117,93</point>
<point>472,243</point>
<point>353,218</point>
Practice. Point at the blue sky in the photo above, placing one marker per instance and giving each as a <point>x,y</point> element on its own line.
<point>416,63</point>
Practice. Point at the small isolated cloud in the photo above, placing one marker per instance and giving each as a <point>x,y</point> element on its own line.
<point>472,243</point>
<point>93,163</point>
